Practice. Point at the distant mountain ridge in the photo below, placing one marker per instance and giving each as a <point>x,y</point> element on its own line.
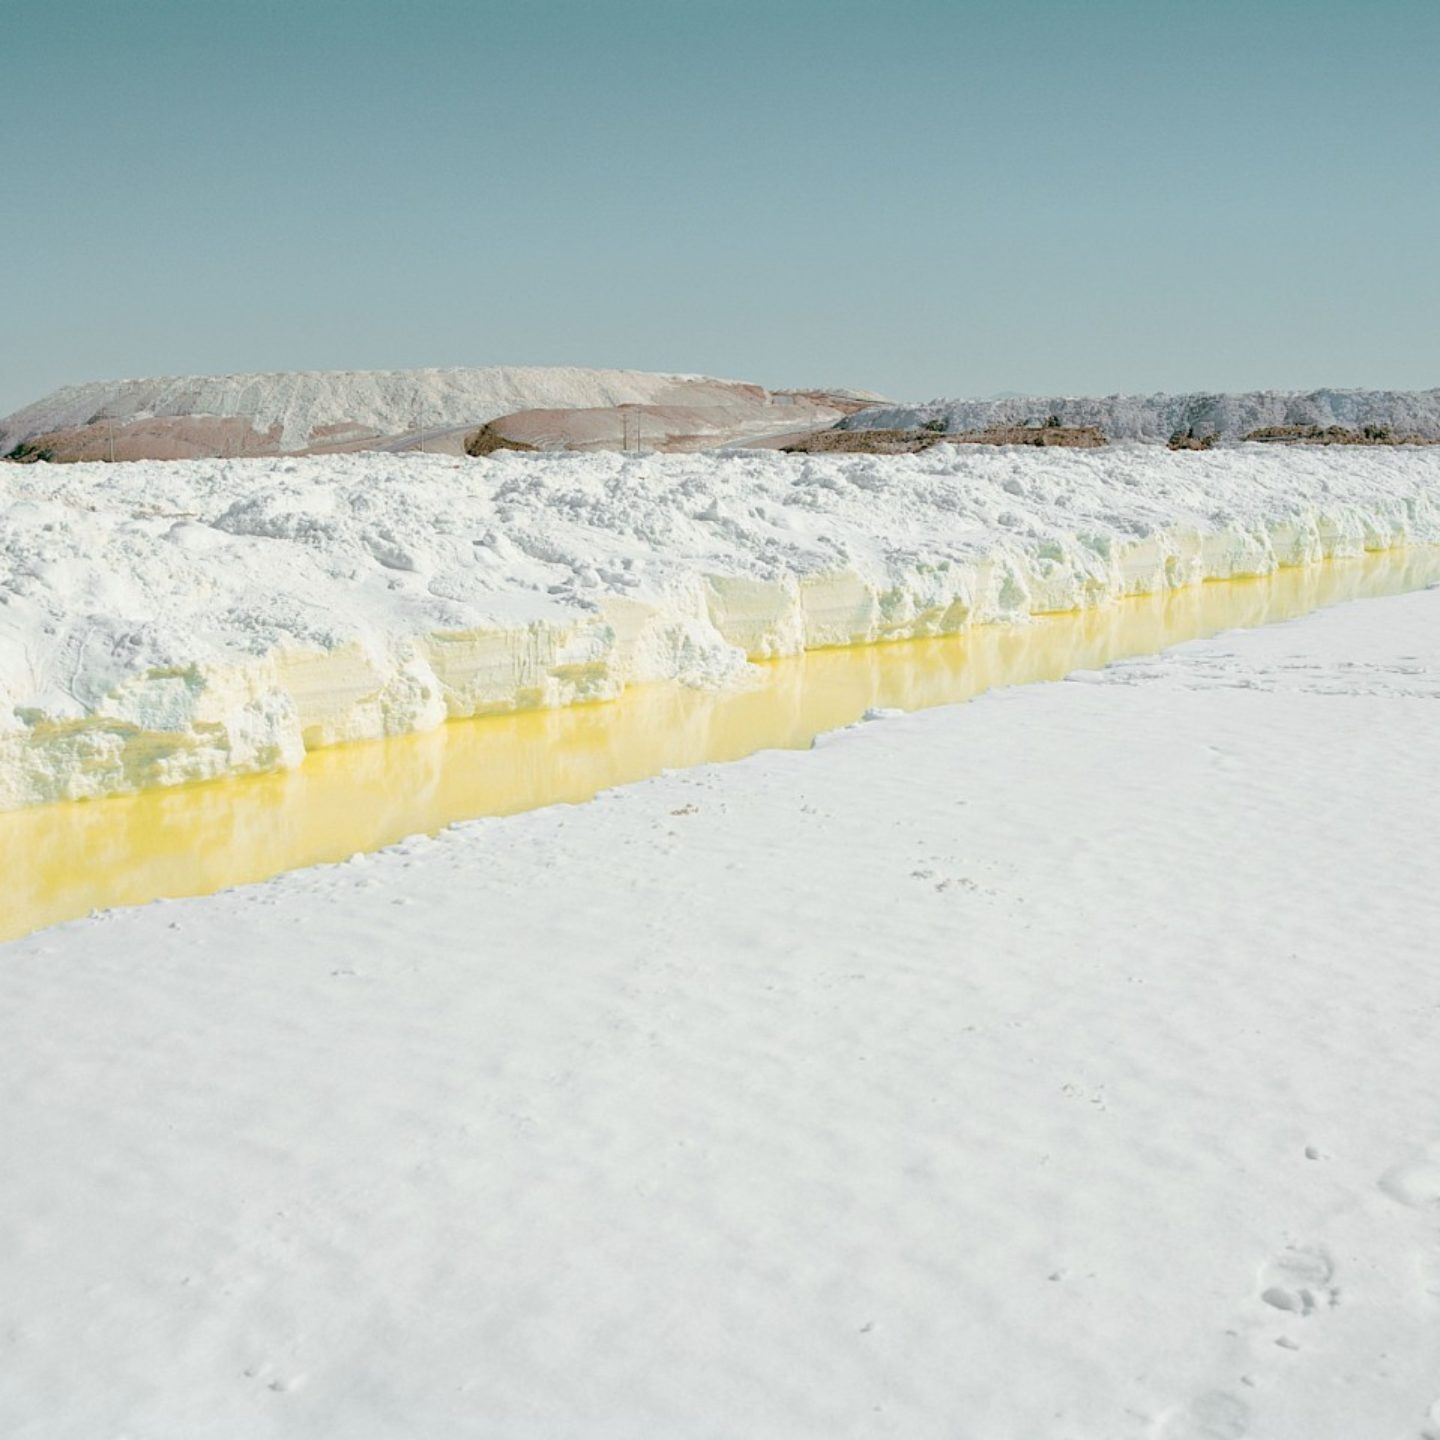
<point>1157,417</point>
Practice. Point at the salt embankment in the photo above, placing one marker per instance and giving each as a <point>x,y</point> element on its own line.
<point>168,622</point>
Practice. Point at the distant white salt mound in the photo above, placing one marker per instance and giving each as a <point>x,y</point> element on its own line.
<point>177,417</point>
<point>1157,417</point>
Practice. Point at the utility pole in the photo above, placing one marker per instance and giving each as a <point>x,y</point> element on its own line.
<point>110,428</point>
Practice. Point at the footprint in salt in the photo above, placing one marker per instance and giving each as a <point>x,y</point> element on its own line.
<point>1432,1430</point>
<point>1297,1281</point>
<point>1415,1182</point>
<point>1213,1416</point>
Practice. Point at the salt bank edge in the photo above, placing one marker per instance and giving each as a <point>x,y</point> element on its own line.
<point>659,568</point>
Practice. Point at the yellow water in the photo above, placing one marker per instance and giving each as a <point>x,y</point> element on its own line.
<point>61,861</point>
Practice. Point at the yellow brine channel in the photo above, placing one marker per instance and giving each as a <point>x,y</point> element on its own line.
<point>62,861</point>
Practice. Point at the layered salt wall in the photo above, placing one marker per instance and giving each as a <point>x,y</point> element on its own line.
<point>168,622</point>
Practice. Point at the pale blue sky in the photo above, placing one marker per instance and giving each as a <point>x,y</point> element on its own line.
<point>922,198</point>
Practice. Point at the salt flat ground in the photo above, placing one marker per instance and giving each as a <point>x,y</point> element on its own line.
<point>1059,1065</point>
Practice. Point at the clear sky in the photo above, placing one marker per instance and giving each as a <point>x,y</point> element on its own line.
<point>913,196</point>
